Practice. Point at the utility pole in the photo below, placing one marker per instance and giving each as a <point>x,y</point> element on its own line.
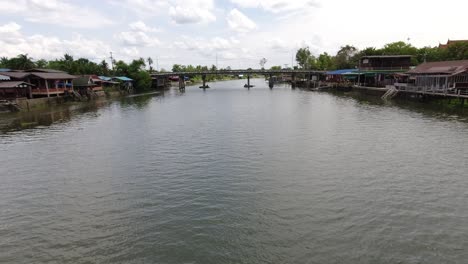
<point>216,61</point>
<point>157,64</point>
<point>112,60</point>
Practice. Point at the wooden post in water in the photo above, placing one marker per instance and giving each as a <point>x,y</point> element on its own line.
<point>204,86</point>
<point>181,82</point>
<point>293,81</point>
<point>248,86</point>
<point>271,82</point>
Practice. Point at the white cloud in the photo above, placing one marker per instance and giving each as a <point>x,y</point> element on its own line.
<point>60,13</point>
<point>239,22</point>
<point>184,15</point>
<point>11,27</point>
<point>141,26</point>
<point>145,8</point>
<point>14,42</point>
<point>277,6</point>
<point>192,11</point>
<point>137,38</point>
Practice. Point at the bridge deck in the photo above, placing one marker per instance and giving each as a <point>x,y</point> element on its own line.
<point>236,72</point>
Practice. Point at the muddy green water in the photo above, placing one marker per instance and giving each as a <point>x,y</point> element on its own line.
<point>230,175</point>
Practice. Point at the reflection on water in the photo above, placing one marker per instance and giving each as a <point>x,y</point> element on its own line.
<point>10,122</point>
<point>63,113</point>
<point>437,109</point>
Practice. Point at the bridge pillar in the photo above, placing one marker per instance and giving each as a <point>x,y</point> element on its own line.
<point>204,86</point>
<point>271,82</point>
<point>248,86</point>
<point>181,82</point>
<point>293,81</point>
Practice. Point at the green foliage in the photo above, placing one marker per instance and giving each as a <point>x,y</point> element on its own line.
<point>275,68</point>
<point>142,79</point>
<point>346,57</point>
<point>20,62</point>
<point>304,57</point>
<point>325,62</point>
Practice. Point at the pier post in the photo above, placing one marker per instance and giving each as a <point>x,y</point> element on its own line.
<point>204,86</point>
<point>293,81</point>
<point>271,82</point>
<point>248,86</point>
<point>181,82</point>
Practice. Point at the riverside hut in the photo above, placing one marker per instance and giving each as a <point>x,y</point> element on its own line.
<point>15,89</point>
<point>380,71</point>
<point>448,77</point>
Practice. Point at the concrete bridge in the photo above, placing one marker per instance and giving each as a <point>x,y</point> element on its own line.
<point>310,76</point>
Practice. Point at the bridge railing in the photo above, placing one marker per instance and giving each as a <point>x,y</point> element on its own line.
<point>238,72</point>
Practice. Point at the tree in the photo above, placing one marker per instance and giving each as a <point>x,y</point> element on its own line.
<point>346,57</point>
<point>42,64</point>
<point>303,56</point>
<point>104,67</point>
<point>20,62</point>
<point>325,62</point>
<point>275,68</point>
<point>178,68</point>
<point>263,61</point>
<point>399,48</point>
<point>457,51</point>
<point>150,63</point>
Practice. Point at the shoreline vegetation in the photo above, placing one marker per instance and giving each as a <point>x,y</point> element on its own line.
<point>140,70</point>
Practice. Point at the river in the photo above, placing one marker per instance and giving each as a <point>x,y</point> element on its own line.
<point>231,175</point>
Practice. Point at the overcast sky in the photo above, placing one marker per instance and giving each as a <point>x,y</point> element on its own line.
<point>237,32</point>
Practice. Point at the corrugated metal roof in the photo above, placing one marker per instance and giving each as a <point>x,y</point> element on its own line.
<point>45,70</point>
<point>123,78</point>
<point>13,84</point>
<point>53,75</point>
<point>441,67</point>
<point>16,75</point>
<point>105,78</point>
<point>4,78</point>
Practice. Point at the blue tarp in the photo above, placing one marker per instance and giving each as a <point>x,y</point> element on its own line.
<point>123,78</point>
<point>341,72</point>
<point>105,78</point>
<point>4,70</point>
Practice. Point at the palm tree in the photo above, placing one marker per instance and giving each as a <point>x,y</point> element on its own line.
<point>150,62</point>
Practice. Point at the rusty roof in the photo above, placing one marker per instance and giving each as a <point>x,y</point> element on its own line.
<point>53,75</point>
<point>441,67</point>
<point>16,75</point>
<point>44,70</point>
<point>6,85</point>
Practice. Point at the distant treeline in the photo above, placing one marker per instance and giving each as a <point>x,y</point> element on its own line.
<point>348,56</point>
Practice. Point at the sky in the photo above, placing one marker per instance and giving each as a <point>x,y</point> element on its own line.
<point>235,33</point>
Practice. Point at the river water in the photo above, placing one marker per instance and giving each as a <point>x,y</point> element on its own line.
<point>230,175</point>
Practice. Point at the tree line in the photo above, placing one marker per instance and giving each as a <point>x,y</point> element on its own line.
<point>348,56</point>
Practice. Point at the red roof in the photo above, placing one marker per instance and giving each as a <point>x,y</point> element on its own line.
<point>449,42</point>
<point>441,67</point>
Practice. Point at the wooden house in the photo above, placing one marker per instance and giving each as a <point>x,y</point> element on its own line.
<point>15,89</point>
<point>385,63</point>
<point>449,77</point>
<point>45,83</point>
